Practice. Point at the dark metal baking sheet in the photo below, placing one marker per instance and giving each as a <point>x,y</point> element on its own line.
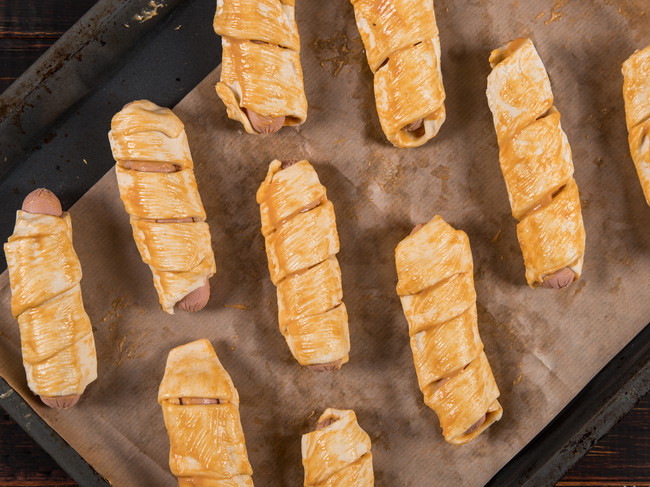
<point>49,439</point>
<point>54,118</point>
<point>53,124</point>
<point>592,413</point>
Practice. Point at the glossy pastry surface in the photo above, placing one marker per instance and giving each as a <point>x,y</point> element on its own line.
<point>261,76</point>
<point>299,228</point>
<point>337,453</point>
<point>57,342</point>
<point>436,287</point>
<point>536,163</point>
<point>201,410</point>
<point>636,94</point>
<point>403,49</point>
<point>157,185</point>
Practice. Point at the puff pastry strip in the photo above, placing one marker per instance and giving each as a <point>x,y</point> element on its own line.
<point>436,287</point>
<point>338,452</point>
<point>162,200</point>
<point>536,163</point>
<point>636,93</point>
<point>201,410</point>
<point>299,229</point>
<point>57,342</point>
<point>261,75</point>
<point>403,49</point>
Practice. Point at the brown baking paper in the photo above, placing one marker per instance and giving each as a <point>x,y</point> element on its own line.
<point>543,345</point>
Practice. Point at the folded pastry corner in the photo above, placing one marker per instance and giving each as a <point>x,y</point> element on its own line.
<point>57,341</point>
<point>261,76</point>
<point>402,45</point>
<point>535,159</point>
<point>636,94</point>
<point>155,176</point>
<point>299,228</point>
<point>436,288</point>
<point>201,411</point>
<point>337,452</point>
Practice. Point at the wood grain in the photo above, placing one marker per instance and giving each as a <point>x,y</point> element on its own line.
<point>29,27</point>
<point>23,462</point>
<point>621,457</point>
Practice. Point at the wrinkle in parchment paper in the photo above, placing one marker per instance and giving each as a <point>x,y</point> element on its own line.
<point>543,346</point>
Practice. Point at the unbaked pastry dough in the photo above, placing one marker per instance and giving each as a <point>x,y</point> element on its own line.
<point>436,287</point>
<point>55,332</point>
<point>299,229</point>
<point>260,67</point>
<point>636,93</point>
<point>338,452</point>
<point>207,446</point>
<point>536,162</point>
<point>179,253</point>
<point>403,49</point>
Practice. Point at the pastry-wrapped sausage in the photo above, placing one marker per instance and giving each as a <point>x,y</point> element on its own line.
<point>403,49</point>
<point>636,93</point>
<point>155,176</point>
<point>436,287</point>
<point>57,340</point>
<point>338,452</point>
<point>299,229</point>
<point>201,410</point>
<point>536,163</point>
<point>261,76</point>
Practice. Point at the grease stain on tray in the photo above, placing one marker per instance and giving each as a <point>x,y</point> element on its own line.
<point>337,52</point>
<point>238,306</point>
<point>557,11</point>
<point>148,12</point>
<point>120,303</point>
<point>126,345</point>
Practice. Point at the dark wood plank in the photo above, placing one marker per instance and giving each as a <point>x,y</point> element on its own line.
<point>16,55</point>
<point>29,27</point>
<point>39,18</point>
<point>621,457</point>
<point>22,462</point>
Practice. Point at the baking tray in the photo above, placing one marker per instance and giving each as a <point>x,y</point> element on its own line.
<point>53,124</point>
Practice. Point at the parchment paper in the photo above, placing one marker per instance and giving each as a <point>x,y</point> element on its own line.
<point>543,346</point>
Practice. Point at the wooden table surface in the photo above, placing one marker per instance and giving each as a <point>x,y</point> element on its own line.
<point>27,29</point>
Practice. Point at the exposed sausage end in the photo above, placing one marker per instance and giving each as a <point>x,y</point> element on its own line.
<point>476,425</point>
<point>262,124</point>
<point>326,367</point>
<point>196,300</point>
<point>325,423</point>
<point>417,128</point>
<point>61,402</point>
<point>42,201</point>
<point>288,163</point>
<point>559,279</point>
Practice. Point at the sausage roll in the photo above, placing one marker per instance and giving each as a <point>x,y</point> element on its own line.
<point>201,410</point>
<point>261,76</point>
<point>636,93</point>
<point>155,176</point>
<point>536,163</point>
<point>299,229</point>
<point>403,49</point>
<point>338,452</point>
<point>436,287</point>
<point>56,336</point>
